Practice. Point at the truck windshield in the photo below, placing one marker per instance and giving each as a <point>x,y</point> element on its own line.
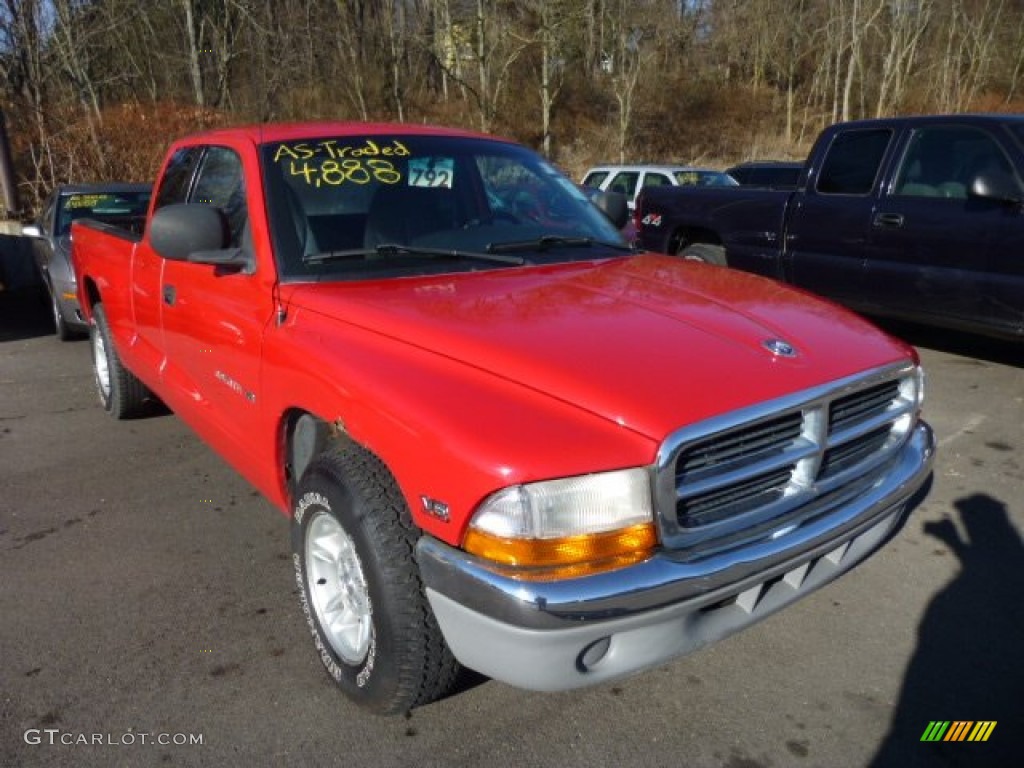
<point>121,208</point>
<point>361,207</point>
<point>696,178</point>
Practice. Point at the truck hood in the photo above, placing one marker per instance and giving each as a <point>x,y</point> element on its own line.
<point>648,342</point>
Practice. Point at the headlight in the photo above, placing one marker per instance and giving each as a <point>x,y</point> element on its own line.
<point>912,387</point>
<point>576,525</point>
<point>911,392</point>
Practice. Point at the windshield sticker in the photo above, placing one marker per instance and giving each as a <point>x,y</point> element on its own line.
<point>87,201</point>
<point>431,172</point>
<point>336,149</point>
<point>333,162</point>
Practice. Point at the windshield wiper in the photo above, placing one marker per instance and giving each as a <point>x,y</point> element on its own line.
<point>546,242</point>
<point>394,249</point>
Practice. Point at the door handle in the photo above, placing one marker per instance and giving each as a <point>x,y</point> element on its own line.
<point>889,220</point>
<point>170,295</point>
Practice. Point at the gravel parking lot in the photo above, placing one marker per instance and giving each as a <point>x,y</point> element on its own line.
<point>147,603</point>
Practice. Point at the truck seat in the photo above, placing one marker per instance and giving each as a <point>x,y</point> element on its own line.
<point>401,214</point>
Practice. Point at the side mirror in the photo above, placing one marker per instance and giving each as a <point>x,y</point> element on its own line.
<point>31,231</point>
<point>614,206</point>
<point>997,186</point>
<point>178,231</point>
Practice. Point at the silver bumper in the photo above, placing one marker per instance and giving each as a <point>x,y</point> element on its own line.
<point>567,634</point>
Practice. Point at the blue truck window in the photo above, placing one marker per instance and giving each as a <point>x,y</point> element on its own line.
<point>177,177</point>
<point>221,183</point>
<point>852,162</point>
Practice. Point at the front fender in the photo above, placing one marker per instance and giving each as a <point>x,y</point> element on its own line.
<point>446,430</point>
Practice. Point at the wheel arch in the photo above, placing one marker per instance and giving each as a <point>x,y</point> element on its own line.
<point>90,295</point>
<point>302,436</point>
<point>684,236</point>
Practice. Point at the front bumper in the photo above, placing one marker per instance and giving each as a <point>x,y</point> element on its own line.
<point>66,296</point>
<point>558,635</point>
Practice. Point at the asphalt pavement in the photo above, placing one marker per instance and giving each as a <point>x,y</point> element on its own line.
<point>148,613</point>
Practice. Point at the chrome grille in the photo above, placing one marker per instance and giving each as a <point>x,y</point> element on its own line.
<point>739,445</point>
<point>850,454</point>
<point>733,499</point>
<point>765,465</point>
<point>861,405</point>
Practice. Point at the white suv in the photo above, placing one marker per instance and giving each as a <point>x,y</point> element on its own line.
<point>630,179</point>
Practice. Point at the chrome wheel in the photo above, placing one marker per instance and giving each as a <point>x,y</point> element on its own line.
<point>101,364</point>
<point>337,588</point>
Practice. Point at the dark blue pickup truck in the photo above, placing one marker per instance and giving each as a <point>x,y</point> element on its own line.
<point>920,218</point>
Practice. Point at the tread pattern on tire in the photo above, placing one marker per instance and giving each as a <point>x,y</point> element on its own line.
<point>128,395</point>
<point>427,670</point>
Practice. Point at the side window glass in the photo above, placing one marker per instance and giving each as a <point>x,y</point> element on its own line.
<point>852,162</point>
<point>625,183</point>
<point>221,184</point>
<point>594,179</point>
<point>655,180</point>
<point>943,162</point>
<point>177,176</point>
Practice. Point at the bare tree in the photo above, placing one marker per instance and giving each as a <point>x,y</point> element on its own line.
<point>548,25</point>
<point>1016,43</point>
<point>133,35</point>
<point>395,34</point>
<point>860,19</point>
<point>352,20</point>
<point>970,34</point>
<point>632,50</point>
<point>194,39</point>
<point>496,52</point>
<point>907,22</point>
<point>23,36</point>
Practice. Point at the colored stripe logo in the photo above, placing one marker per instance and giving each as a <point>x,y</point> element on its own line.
<point>958,730</point>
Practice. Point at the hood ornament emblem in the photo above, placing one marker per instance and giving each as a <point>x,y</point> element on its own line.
<point>779,348</point>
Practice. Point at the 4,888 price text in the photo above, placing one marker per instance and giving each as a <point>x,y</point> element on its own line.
<point>336,172</point>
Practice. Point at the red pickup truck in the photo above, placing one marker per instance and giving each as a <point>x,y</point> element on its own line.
<point>504,440</point>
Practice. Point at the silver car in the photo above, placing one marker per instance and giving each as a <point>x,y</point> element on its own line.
<point>124,205</point>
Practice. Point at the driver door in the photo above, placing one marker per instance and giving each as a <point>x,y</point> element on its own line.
<point>213,319</point>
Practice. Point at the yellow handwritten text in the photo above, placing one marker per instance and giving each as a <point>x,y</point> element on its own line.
<point>330,148</point>
<point>86,201</point>
<point>333,173</point>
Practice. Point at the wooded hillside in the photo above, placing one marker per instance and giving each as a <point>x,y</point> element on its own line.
<point>94,89</point>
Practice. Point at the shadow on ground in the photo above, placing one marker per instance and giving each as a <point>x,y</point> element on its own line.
<point>993,350</point>
<point>25,314</point>
<point>968,662</point>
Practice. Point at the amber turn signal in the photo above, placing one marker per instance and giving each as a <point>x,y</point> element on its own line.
<point>570,555</point>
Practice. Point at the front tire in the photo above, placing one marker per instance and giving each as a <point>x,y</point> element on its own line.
<point>360,590</point>
<point>122,395</point>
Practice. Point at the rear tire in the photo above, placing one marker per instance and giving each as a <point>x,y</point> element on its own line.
<point>122,395</point>
<point>705,252</point>
<point>353,544</point>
